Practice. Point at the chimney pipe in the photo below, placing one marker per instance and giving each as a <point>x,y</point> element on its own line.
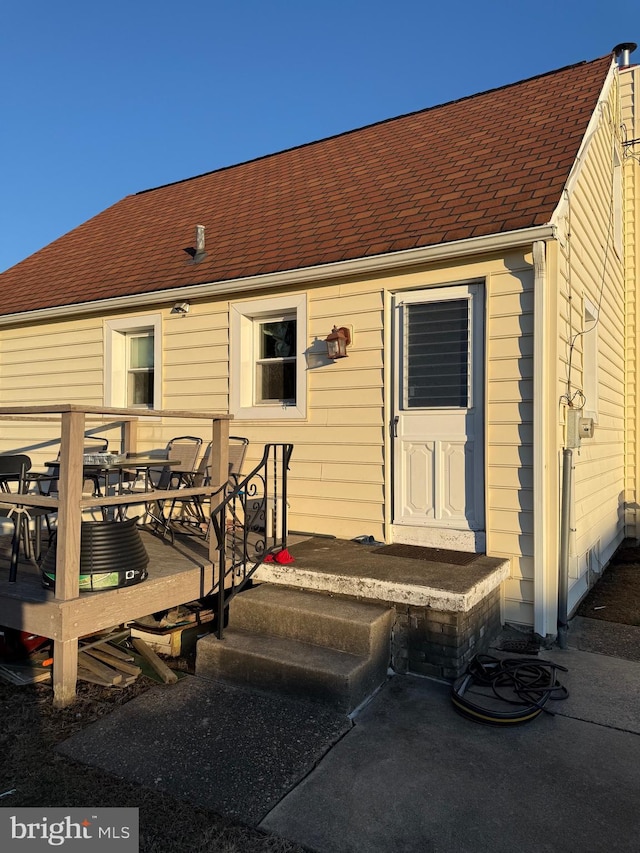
<point>622,53</point>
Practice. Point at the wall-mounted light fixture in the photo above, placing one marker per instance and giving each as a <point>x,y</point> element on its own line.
<point>181,308</point>
<point>338,341</point>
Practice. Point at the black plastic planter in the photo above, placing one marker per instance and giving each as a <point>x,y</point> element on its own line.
<point>112,555</point>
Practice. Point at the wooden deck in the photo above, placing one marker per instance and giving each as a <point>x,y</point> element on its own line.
<point>177,574</point>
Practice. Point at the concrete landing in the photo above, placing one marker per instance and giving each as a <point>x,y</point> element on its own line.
<point>344,567</point>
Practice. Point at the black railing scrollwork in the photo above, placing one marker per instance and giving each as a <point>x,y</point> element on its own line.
<point>250,523</point>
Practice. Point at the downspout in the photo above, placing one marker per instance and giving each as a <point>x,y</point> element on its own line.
<point>548,598</point>
<point>563,563</point>
<point>542,595</point>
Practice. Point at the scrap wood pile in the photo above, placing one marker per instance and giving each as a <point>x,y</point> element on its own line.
<point>111,659</point>
<point>111,664</point>
<point>108,664</point>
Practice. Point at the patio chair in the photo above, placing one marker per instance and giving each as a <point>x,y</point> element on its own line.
<point>192,510</point>
<point>185,449</point>
<point>13,478</point>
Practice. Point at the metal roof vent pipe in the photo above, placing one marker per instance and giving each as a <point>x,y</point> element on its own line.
<point>197,252</point>
<point>622,53</point>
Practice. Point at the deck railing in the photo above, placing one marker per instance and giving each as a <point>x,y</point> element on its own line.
<point>69,506</point>
<point>250,524</point>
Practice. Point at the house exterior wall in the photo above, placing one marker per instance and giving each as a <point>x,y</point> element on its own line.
<point>47,363</point>
<point>340,479</point>
<point>591,363</point>
<point>630,109</point>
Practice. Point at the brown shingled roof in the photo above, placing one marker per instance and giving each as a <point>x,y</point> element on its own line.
<point>489,163</point>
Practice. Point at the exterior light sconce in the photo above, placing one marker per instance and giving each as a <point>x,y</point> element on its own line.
<point>337,342</point>
<point>181,308</point>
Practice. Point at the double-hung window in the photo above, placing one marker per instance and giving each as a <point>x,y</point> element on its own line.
<point>140,367</point>
<point>275,347</point>
<point>133,362</point>
<point>268,369</point>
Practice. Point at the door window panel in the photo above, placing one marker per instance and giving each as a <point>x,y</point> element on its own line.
<point>437,355</point>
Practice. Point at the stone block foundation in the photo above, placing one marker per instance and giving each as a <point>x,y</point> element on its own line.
<point>441,643</point>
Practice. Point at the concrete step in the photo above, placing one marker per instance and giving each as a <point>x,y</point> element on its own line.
<point>324,620</point>
<point>306,670</point>
<point>315,646</point>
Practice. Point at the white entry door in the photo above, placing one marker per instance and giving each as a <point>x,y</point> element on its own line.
<point>437,425</point>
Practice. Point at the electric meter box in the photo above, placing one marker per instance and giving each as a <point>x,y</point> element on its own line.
<point>577,428</point>
<point>585,427</point>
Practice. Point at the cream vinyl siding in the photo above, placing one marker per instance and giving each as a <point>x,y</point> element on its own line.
<point>72,352</point>
<point>510,434</point>
<point>589,269</point>
<point>630,107</point>
<point>196,358</point>
<point>46,364</point>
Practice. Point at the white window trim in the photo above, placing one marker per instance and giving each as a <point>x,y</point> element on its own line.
<point>590,360</point>
<point>242,362</point>
<point>115,332</point>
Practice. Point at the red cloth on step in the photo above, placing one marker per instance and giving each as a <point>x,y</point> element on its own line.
<point>283,557</point>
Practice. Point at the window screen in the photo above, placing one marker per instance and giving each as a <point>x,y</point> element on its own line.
<point>437,355</point>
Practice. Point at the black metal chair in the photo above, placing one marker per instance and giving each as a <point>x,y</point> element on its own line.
<point>13,479</point>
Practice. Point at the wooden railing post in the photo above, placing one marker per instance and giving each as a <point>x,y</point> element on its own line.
<point>65,654</point>
<point>220,453</point>
<point>130,436</point>
<point>69,514</point>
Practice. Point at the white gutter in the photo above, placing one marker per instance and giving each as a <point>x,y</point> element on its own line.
<point>359,266</point>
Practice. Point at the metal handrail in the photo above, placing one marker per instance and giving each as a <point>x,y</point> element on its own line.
<point>250,522</point>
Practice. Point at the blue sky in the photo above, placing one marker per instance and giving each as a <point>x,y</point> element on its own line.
<point>102,99</point>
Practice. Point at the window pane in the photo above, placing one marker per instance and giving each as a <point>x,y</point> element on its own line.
<point>437,367</point>
<point>140,389</point>
<point>141,351</point>
<point>277,381</point>
<point>278,339</point>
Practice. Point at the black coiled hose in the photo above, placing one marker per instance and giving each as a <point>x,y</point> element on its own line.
<point>508,691</point>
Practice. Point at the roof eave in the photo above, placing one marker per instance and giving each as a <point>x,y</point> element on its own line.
<point>488,244</point>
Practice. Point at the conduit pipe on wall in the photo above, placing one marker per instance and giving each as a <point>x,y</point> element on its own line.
<point>563,564</point>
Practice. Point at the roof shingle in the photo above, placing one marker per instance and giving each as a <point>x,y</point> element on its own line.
<point>485,164</point>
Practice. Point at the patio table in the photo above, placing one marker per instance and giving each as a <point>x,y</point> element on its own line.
<point>98,471</point>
